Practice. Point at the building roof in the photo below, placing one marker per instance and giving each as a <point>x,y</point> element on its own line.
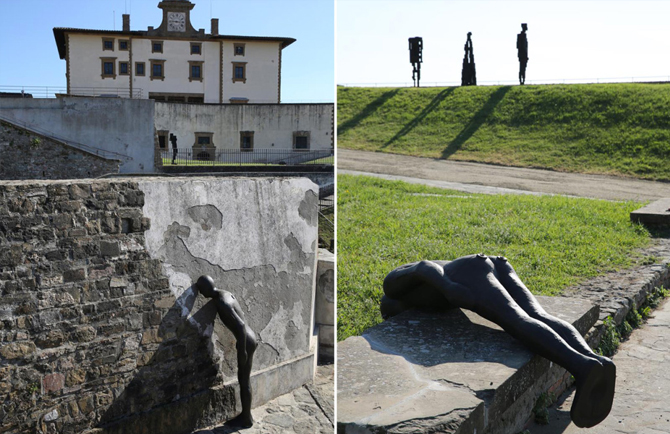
<point>59,34</point>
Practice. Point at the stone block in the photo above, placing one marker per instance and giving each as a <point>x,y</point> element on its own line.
<point>17,350</point>
<point>110,248</point>
<point>444,372</point>
<point>75,275</point>
<point>53,383</point>
<point>655,214</point>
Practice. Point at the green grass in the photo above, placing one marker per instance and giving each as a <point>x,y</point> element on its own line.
<point>552,242</point>
<point>621,129</point>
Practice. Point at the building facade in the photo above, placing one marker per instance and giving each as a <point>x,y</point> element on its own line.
<point>174,62</point>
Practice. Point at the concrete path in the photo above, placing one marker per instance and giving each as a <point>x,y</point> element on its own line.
<point>467,175</point>
<point>307,410</point>
<point>642,390</point>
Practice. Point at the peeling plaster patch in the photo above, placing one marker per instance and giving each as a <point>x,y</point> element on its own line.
<point>279,334</point>
<point>207,216</point>
<point>177,230</point>
<point>308,206</point>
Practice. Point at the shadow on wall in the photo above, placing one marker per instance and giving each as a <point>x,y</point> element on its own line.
<point>477,121</point>
<point>432,105</point>
<point>171,392</point>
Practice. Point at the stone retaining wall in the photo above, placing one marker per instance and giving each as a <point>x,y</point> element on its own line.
<point>98,331</point>
<point>27,155</point>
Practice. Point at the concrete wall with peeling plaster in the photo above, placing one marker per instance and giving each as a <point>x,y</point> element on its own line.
<point>257,238</point>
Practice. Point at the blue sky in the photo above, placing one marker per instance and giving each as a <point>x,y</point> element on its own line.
<point>29,57</point>
<point>571,41</point>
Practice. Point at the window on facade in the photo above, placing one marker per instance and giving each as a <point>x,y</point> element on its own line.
<point>196,48</point>
<point>246,141</point>
<point>107,44</point>
<point>301,140</point>
<point>156,46</point>
<point>123,45</point>
<point>139,69</point>
<point>157,69</point>
<point>195,71</point>
<point>196,99</point>
<point>240,71</point>
<point>124,68</point>
<point>238,49</point>
<point>107,65</point>
<point>162,138</point>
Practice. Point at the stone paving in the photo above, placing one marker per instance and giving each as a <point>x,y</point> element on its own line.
<point>307,410</point>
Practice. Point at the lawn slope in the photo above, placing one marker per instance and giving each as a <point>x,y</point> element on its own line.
<point>620,129</point>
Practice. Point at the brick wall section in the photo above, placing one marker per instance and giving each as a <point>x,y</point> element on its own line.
<point>26,155</point>
<point>89,330</point>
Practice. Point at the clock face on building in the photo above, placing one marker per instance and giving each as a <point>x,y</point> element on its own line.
<point>176,21</point>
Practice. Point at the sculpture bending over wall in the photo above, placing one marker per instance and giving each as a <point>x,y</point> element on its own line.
<point>490,287</point>
<point>233,318</point>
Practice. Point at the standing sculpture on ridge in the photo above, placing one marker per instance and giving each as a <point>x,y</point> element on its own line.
<point>489,286</point>
<point>416,58</point>
<point>522,50</point>
<point>468,73</point>
<point>232,317</point>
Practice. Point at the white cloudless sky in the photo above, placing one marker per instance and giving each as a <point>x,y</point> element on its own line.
<point>29,57</point>
<point>568,41</point>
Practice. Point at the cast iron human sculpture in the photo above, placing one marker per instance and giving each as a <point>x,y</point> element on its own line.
<point>468,73</point>
<point>233,318</point>
<point>522,50</point>
<point>490,287</point>
<point>173,140</point>
<point>416,58</point>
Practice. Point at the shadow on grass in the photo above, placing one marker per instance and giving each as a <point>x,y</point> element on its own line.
<point>367,111</point>
<point>421,116</point>
<point>477,121</point>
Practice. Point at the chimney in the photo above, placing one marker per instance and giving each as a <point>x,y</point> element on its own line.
<point>126,22</point>
<point>215,27</point>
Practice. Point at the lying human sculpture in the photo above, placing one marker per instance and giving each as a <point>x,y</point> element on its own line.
<point>490,287</point>
<point>233,318</point>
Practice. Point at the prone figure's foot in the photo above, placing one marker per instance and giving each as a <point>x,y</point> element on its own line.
<point>243,420</point>
<point>595,393</point>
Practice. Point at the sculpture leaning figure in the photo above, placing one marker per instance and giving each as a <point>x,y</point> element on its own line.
<point>232,317</point>
<point>490,287</point>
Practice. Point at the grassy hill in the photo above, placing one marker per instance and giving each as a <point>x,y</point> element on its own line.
<point>620,129</point>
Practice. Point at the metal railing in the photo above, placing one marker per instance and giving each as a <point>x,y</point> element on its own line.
<point>110,155</point>
<point>59,91</point>
<point>235,157</point>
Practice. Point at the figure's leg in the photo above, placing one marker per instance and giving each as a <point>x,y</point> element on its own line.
<point>244,365</point>
<point>595,379</point>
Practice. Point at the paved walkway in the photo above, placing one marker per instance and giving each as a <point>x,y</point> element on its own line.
<point>642,390</point>
<point>307,410</point>
<point>465,176</point>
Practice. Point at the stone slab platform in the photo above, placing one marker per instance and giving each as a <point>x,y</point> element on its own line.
<point>452,372</point>
<point>656,213</point>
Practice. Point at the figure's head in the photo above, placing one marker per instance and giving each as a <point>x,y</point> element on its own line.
<point>524,27</point>
<point>469,34</point>
<point>205,285</point>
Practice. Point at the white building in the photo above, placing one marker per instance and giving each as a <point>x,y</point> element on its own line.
<point>174,62</point>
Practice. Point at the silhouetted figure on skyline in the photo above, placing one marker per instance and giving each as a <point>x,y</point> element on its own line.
<point>468,73</point>
<point>416,58</point>
<point>522,50</point>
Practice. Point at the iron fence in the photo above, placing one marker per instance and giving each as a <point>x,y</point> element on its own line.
<point>58,91</point>
<point>254,157</point>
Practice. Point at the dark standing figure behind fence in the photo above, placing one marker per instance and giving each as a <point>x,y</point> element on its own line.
<point>522,48</point>
<point>468,74</point>
<point>173,140</point>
